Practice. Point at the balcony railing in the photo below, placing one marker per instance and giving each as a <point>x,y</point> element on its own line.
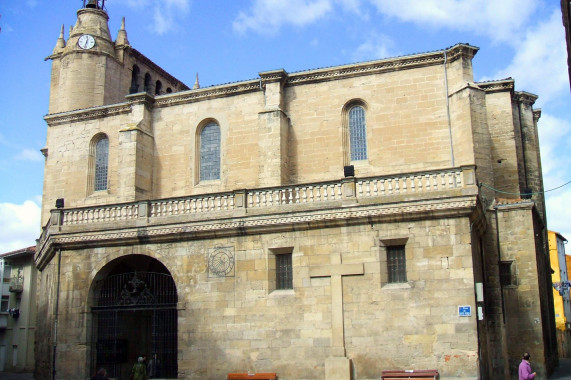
<point>315,194</point>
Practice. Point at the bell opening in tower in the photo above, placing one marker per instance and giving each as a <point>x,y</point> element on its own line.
<point>94,4</point>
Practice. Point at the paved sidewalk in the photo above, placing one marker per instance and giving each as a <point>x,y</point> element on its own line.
<point>16,376</point>
<point>563,372</point>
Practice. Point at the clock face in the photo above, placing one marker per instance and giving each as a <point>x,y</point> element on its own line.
<point>86,41</point>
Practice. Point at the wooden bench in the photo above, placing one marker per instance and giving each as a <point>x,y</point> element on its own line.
<point>250,376</point>
<point>417,374</point>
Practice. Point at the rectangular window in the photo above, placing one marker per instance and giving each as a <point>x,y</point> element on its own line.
<point>4,304</point>
<point>284,271</point>
<point>396,263</point>
<point>507,277</point>
<point>7,273</point>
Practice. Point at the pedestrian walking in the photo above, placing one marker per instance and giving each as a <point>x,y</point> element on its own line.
<point>525,368</point>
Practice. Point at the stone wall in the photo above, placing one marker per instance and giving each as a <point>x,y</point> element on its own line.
<point>237,323</point>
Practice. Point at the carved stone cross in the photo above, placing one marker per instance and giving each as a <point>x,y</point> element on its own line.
<point>336,270</point>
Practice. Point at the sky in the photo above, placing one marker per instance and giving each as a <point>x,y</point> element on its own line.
<point>233,40</point>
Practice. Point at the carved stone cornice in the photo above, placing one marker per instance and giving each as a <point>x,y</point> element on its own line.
<point>207,93</point>
<point>536,115</point>
<point>141,98</point>
<point>87,114</point>
<point>273,76</point>
<point>258,224</point>
<point>525,98</point>
<point>383,65</point>
<point>497,86</point>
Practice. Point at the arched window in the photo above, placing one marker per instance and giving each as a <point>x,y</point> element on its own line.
<point>169,90</point>
<point>147,83</point>
<point>134,80</point>
<point>101,163</point>
<point>158,87</point>
<point>357,133</point>
<point>210,152</point>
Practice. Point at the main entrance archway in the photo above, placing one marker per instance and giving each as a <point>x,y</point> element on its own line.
<point>134,314</point>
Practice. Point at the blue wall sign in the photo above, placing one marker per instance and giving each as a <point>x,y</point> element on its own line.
<point>464,311</point>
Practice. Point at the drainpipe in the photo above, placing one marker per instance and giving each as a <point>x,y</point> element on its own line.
<point>56,315</point>
<point>499,262</point>
<point>448,109</point>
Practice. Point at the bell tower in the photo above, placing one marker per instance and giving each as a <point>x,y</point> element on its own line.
<point>85,68</point>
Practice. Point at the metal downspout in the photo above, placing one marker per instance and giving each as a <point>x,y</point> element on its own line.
<point>448,109</point>
<point>499,262</point>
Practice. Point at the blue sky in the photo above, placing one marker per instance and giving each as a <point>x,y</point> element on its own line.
<point>229,40</point>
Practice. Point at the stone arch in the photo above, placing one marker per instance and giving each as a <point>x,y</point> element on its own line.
<point>133,308</point>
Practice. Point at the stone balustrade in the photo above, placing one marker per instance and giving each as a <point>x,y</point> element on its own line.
<point>409,183</point>
<point>316,194</point>
<point>100,214</point>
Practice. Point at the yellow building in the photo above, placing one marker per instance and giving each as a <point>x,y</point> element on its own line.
<point>561,299</point>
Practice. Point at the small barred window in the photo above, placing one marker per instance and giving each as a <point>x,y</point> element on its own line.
<point>284,271</point>
<point>396,263</point>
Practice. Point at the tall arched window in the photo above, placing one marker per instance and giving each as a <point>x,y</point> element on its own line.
<point>101,163</point>
<point>134,80</point>
<point>147,83</point>
<point>357,133</point>
<point>158,87</point>
<point>210,152</point>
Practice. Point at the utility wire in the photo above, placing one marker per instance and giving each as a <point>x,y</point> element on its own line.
<point>533,193</point>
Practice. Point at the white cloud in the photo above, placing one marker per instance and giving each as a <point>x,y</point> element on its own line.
<point>539,59</point>
<point>554,136</point>
<point>494,19</point>
<point>377,46</point>
<point>558,210</point>
<point>268,16</point>
<point>20,225</point>
<point>167,14</point>
<point>31,155</point>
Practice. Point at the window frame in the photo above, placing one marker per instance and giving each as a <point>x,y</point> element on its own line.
<point>275,255</point>
<point>93,170</point>
<point>284,271</point>
<point>358,147</point>
<point>346,132</point>
<point>201,155</point>
<point>396,264</point>
<point>4,304</point>
<point>385,245</point>
<point>507,273</point>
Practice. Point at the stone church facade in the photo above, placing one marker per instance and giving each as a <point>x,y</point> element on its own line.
<point>325,224</point>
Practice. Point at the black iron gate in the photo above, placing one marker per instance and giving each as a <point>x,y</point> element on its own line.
<point>135,315</point>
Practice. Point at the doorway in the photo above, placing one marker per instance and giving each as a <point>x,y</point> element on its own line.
<point>134,314</point>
